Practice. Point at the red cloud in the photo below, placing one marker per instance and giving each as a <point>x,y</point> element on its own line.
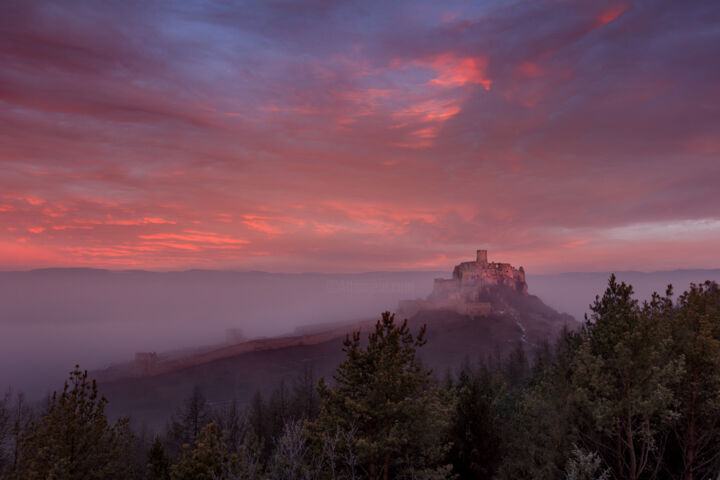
<point>530,69</point>
<point>610,15</point>
<point>456,71</point>
<point>382,149</point>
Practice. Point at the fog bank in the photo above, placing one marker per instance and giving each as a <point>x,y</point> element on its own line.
<point>53,319</point>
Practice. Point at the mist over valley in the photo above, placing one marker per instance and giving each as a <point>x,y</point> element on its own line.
<point>53,319</point>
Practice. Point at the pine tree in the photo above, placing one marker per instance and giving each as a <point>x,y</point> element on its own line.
<point>474,434</point>
<point>5,433</point>
<point>158,466</point>
<point>233,423</point>
<point>249,456</point>
<point>261,423</point>
<point>209,458</point>
<point>381,391</point>
<point>539,430</point>
<point>22,416</point>
<point>306,403</point>
<point>625,377</point>
<point>73,440</point>
<point>696,336</point>
<point>187,422</point>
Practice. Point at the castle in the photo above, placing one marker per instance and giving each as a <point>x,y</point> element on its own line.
<point>469,277</point>
<point>463,292</point>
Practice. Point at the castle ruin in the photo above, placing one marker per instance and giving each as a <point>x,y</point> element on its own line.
<point>463,292</point>
<point>469,277</point>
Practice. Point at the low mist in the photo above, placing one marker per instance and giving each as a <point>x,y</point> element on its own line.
<point>52,319</point>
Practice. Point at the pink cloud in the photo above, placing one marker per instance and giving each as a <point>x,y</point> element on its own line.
<point>457,71</point>
<point>194,236</point>
<point>530,69</point>
<point>403,147</point>
<point>611,14</point>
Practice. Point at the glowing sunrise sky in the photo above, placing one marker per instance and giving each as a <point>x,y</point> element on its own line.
<point>356,135</point>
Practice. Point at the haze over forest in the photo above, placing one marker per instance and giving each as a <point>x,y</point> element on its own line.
<point>52,319</point>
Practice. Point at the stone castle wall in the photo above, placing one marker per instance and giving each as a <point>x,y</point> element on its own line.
<point>477,274</point>
<point>463,293</point>
<point>149,364</point>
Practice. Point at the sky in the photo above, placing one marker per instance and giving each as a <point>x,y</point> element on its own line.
<point>351,136</point>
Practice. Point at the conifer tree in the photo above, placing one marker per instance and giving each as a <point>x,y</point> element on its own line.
<point>73,440</point>
<point>474,434</point>
<point>187,422</point>
<point>539,430</point>
<point>158,466</point>
<point>306,403</point>
<point>233,422</point>
<point>381,391</point>
<point>209,458</point>
<point>624,380</point>
<point>696,336</point>
<point>5,432</point>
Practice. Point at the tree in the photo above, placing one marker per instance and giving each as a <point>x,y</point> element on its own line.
<point>74,440</point>
<point>249,456</point>
<point>233,423</point>
<point>278,412</point>
<point>22,415</point>
<point>540,428</point>
<point>624,380</point>
<point>5,432</point>
<point>383,392</point>
<point>585,466</point>
<point>261,422</point>
<point>474,434</point>
<point>209,459</point>
<point>306,403</point>
<point>187,422</point>
<point>696,331</point>
<point>292,459</point>
<point>158,466</point>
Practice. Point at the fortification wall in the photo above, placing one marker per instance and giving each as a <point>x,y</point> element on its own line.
<point>147,364</point>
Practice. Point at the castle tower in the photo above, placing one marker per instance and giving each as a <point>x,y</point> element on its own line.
<point>482,257</point>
